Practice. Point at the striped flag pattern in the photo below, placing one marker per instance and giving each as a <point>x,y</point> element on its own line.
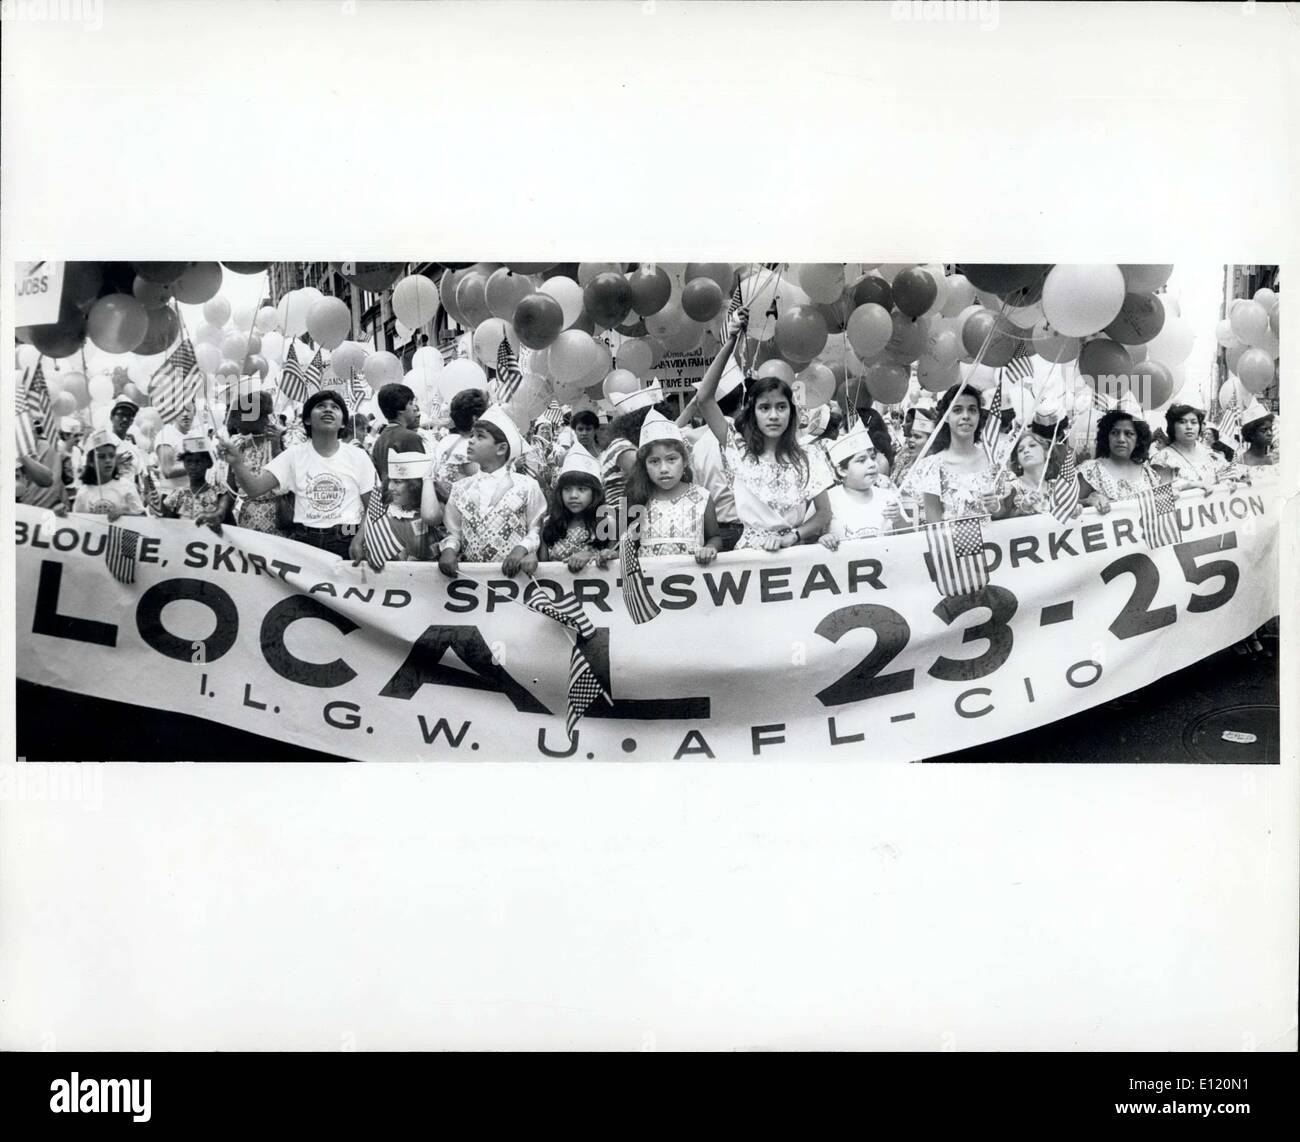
<point>956,550</point>
<point>1064,497</point>
<point>315,370</point>
<point>378,541</point>
<point>355,391</point>
<point>120,552</point>
<point>1229,425</point>
<point>1021,366</point>
<point>993,425</point>
<point>565,610</point>
<point>1156,515</point>
<point>176,383</point>
<point>292,381</point>
<point>152,497</point>
<point>584,688</point>
<point>508,374</point>
<point>28,444</point>
<point>636,593</point>
<point>38,399</point>
<point>553,415</point>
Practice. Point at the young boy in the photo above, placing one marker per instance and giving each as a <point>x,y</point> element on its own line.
<point>865,505</point>
<point>495,513</point>
<point>200,501</point>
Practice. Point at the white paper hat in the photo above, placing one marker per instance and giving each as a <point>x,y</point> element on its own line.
<point>409,465</point>
<point>578,459</point>
<point>927,415</point>
<point>850,444</point>
<point>196,443</point>
<point>1255,412</point>
<point>656,427</point>
<point>642,398</point>
<point>101,437</point>
<point>499,418</point>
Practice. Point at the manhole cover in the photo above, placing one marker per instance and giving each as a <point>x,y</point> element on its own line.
<point>1205,741</point>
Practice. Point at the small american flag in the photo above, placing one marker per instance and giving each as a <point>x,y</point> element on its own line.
<point>636,593</point>
<point>508,374</point>
<point>584,688</point>
<point>1230,423</point>
<point>736,302</point>
<point>565,610</point>
<point>356,391</point>
<point>957,556</point>
<point>1064,497</point>
<point>315,370</point>
<point>1156,515</point>
<point>1021,366</point>
<point>993,425</point>
<point>292,382</point>
<point>553,415</point>
<point>38,399</point>
<point>120,552</point>
<point>378,540</point>
<point>152,497</point>
<point>176,383</point>
<point>28,444</point>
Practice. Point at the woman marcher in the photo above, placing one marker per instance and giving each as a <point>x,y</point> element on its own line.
<point>1257,437</point>
<point>331,481</point>
<point>956,479</point>
<point>1119,470</point>
<point>1186,460</point>
<point>772,477</point>
<point>258,442</point>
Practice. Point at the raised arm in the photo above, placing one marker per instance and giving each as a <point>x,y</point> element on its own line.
<point>252,484</point>
<point>706,393</point>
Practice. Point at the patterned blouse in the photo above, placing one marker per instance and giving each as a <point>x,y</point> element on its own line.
<point>1096,477</point>
<point>771,497</point>
<point>1205,466</point>
<point>675,527</point>
<point>189,504</point>
<point>260,513</point>
<point>577,540</point>
<point>486,533</point>
<point>962,493</point>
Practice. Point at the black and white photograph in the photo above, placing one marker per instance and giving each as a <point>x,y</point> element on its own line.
<point>648,527</point>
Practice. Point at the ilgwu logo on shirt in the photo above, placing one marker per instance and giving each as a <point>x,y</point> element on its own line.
<point>101,1096</point>
<point>325,493</point>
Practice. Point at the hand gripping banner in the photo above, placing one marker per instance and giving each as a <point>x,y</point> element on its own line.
<point>803,654</point>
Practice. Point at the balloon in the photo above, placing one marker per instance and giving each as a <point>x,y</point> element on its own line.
<point>686,337</point>
<point>228,368</point>
<point>329,321</point>
<point>776,368</point>
<point>530,267</point>
<point>1104,358</point>
<point>197,283</point>
<point>101,388</point>
<point>1054,347</point>
<point>909,338</point>
<point>1249,321</point>
<point>164,329</point>
<point>504,291</point>
<point>1233,390</point>
<point>246,267</point>
<point>961,294</point>
<point>1172,308</point>
<point>914,291</point>
<point>372,276</point>
<point>234,345</point>
<point>63,404</point>
<point>488,338</point>
<point>1264,296</point>
<point>147,293</point>
<point>257,364</point>
<point>589,270</point>
<point>84,282</point>
<point>1006,279</point>
<point>937,376</point>
<point>382,368</point>
<point>597,373</point>
<point>471,298</point>
<point>818,384</point>
<point>117,323</point>
<point>273,346</point>
<point>447,286</point>
<point>572,355</point>
<point>254,341</point>
<point>1255,368</point>
<point>666,322</point>
<point>529,401</point>
<point>651,288</point>
<point>887,383</point>
<point>1079,299</point>
<point>347,358</point>
<point>1152,383</point>
<point>1025,316</point>
<point>1173,344</point>
<point>1224,335</point>
<point>568,293</point>
<point>216,311</point>
<point>944,346</point>
<point>292,313</point>
<point>415,301</point>
<point>822,281</point>
<point>869,329</point>
<point>618,382</point>
<point>872,289</point>
<point>801,332</point>
<point>1145,279</point>
<point>978,377</point>
<point>1233,356</point>
<point>64,337</point>
<point>607,297</point>
<point>208,356</point>
<point>458,375</point>
<point>161,273</point>
<point>993,334</point>
<point>636,357</point>
<point>724,273</point>
<point>427,361</point>
<point>1270,343</point>
<point>267,320</point>
<point>539,318</point>
<point>702,299</point>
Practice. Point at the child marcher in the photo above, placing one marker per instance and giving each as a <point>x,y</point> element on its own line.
<point>677,516</point>
<point>866,504</point>
<point>407,472</point>
<point>572,532</point>
<point>105,490</point>
<point>200,501</point>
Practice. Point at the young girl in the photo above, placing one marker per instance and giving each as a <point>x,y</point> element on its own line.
<point>105,491</point>
<point>573,531</point>
<point>772,477</point>
<point>865,505</point>
<point>407,473</point>
<point>618,458</point>
<point>1035,471</point>
<point>200,501</point>
<point>677,516</point>
<point>956,478</point>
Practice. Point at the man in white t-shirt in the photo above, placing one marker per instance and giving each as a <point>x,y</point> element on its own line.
<point>168,450</point>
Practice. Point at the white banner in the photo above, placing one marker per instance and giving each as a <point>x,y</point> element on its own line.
<point>801,654</point>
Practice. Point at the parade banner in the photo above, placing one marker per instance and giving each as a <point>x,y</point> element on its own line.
<point>802,654</point>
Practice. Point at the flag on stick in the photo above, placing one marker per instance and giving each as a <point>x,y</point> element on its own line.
<point>508,374</point>
<point>636,593</point>
<point>584,688</point>
<point>315,370</point>
<point>565,610</point>
<point>956,550</point>
<point>378,541</point>
<point>38,400</point>
<point>993,425</point>
<point>120,552</point>
<point>1156,515</point>
<point>28,444</point>
<point>152,497</point>
<point>176,383</point>
<point>1064,497</point>
<point>1229,425</point>
<point>292,382</point>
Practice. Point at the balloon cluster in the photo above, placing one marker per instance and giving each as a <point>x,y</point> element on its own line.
<point>1250,336</point>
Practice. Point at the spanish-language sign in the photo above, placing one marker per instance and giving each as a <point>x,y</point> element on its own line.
<point>801,654</point>
<point>38,290</point>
